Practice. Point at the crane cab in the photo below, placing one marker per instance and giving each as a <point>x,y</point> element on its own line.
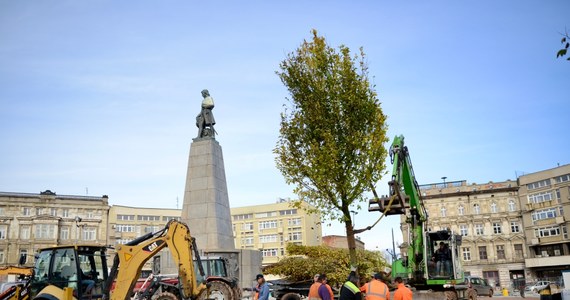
<point>81,268</point>
<point>442,256</point>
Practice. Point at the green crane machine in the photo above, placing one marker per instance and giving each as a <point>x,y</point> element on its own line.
<point>432,261</point>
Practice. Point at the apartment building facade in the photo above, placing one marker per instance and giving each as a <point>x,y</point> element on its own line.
<point>127,223</point>
<point>545,202</point>
<point>30,221</point>
<point>269,227</point>
<point>488,217</point>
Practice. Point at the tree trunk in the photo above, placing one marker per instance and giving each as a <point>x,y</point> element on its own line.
<point>351,243</point>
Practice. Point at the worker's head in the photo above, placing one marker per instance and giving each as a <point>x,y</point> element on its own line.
<point>441,244</point>
<point>398,279</point>
<point>353,277</point>
<point>259,278</point>
<point>322,278</point>
<point>316,277</point>
<point>378,276</point>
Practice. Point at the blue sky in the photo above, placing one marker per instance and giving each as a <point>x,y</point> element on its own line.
<point>100,97</point>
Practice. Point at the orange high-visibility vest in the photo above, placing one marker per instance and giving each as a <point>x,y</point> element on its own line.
<point>376,290</point>
<point>314,291</point>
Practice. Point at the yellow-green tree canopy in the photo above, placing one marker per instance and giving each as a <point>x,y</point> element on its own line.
<point>304,262</point>
<point>331,143</point>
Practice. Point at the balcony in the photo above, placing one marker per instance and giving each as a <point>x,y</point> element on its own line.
<point>547,261</point>
<point>544,204</point>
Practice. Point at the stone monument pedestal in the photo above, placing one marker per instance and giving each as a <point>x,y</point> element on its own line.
<point>206,207</point>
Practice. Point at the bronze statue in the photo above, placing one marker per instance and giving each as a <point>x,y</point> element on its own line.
<point>205,119</point>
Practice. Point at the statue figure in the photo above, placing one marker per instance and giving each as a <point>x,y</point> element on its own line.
<point>205,119</point>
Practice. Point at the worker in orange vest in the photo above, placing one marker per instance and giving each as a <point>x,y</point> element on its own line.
<point>376,289</point>
<point>403,292</point>
<point>320,290</point>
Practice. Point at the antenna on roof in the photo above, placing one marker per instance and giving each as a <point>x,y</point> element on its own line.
<point>86,191</point>
<point>176,202</point>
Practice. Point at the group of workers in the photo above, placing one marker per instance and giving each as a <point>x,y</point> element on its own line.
<point>375,289</point>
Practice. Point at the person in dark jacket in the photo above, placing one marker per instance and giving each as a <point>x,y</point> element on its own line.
<point>350,290</point>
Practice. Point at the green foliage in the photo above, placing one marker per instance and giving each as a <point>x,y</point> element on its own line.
<point>565,44</point>
<point>305,261</point>
<point>331,143</point>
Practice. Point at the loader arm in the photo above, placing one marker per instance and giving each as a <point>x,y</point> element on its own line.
<point>131,257</point>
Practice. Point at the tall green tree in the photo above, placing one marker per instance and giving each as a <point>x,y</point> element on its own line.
<point>331,143</point>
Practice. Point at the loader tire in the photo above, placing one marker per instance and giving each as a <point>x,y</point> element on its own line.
<point>451,295</point>
<point>291,296</point>
<point>165,296</point>
<point>218,290</point>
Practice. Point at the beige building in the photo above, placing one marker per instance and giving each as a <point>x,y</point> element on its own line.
<point>340,241</point>
<point>545,202</point>
<point>127,223</point>
<point>29,222</point>
<point>488,217</point>
<point>270,227</point>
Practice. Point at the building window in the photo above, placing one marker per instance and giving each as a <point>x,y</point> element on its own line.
<point>269,252</point>
<point>266,214</point>
<point>501,251</point>
<point>89,233</point>
<point>149,229</point>
<point>479,229</point>
<point>547,231</point>
<point>45,231</point>
<point>125,217</point>
<point>39,211</point>
<point>476,209</point>
<point>53,212</point>
<point>515,228</point>
<point>544,214</point>
<point>288,212</point>
<point>461,210</point>
<point>3,232</point>
<point>294,222</point>
<point>2,256</point>
<point>26,211</point>
<point>270,238</point>
<point>124,241</point>
<point>563,178</point>
<point>512,206</point>
<point>538,184</point>
<point>443,210</point>
<point>518,250</point>
<point>494,207</point>
<point>463,230</point>
<point>90,215</point>
<point>243,217</point>
<point>25,232</point>
<point>64,233</point>
<point>466,253</point>
<point>148,218</point>
<point>65,213</point>
<point>124,228</point>
<point>482,252</point>
<point>2,211</point>
<point>247,227</point>
<point>24,254</point>
<point>247,241</point>
<point>539,197</point>
<point>295,236</point>
<point>267,224</point>
<point>497,228</point>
